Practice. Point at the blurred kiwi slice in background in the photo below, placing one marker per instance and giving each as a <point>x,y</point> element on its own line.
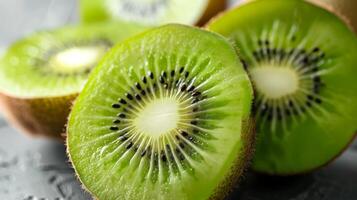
<point>151,12</point>
<point>42,74</point>
<point>346,8</point>
<point>302,62</point>
<point>158,118</point>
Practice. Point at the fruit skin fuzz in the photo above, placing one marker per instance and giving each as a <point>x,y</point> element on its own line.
<point>38,116</point>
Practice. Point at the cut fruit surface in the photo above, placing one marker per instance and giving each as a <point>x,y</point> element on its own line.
<point>345,8</point>
<point>158,120</point>
<point>57,63</point>
<point>151,12</point>
<point>301,59</point>
<point>40,75</point>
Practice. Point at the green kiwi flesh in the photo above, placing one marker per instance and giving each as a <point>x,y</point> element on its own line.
<point>157,118</point>
<point>41,74</point>
<point>302,62</point>
<point>153,12</point>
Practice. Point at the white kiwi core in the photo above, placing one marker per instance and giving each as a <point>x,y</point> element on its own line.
<point>76,59</point>
<point>275,82</point>
<point>160,116</point>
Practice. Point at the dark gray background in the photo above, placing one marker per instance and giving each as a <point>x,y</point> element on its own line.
<point>37,169</point>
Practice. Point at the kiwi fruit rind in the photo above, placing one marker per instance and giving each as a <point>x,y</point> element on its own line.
<point>158,119</point>
<point>302,61</point>
<point>154,12</point>
<point>41,74</point>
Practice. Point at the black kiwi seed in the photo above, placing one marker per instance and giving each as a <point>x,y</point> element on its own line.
<point>164,74</point>
<point>195,100</point>
<point>115,105</point>
<point>143,153</point>
<point>129,96</point>
<point>151,75</point>
<point>316,49</point>
<point>114,128</point>
<point>184,133</point>
<point>196,94</point>
<point>138,86</point>
<point>194,122</point>
<point>317,100</point>
<point>123,138</point>
<point>122,101</point>
<point>144,80</point>
<point>121,115</point>
<point>181,145</point>
<point>117,121</point>
<point>308,103</point>
<point>191,88</point>
<point>181,70</point>
<point>173,73</point>
<point>129,145</point>
<point>287,112</point>
<point>163,156</point>
<point>161,79</point>
<point>138,97</point>
<point>186,74</point>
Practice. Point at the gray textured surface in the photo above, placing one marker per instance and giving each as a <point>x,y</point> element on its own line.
<point>39,169</point>
<point>21,17</point>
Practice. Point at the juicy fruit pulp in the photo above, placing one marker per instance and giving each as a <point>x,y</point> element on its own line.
<point>151,12</point>
<point>157,118</point>
<point>302,64</point>
<point>40,75</point>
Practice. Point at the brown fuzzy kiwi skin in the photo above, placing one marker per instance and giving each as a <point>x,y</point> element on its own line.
<point>213,7</point>
<point>238,168</point>
<point>45,116</point>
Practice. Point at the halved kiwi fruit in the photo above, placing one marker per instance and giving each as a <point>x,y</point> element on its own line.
<point>40,75</point>
<point>152,12</point>
<point>158,119</point>
<point>302,62</point>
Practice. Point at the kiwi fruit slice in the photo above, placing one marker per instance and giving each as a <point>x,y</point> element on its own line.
<point>41,74</point>
<point>301,60</point>
<point>346,8</point>
<point>158,119</point>
<point>152,12</point>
